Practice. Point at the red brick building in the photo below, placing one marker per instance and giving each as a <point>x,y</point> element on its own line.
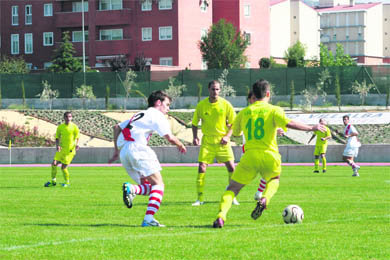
<point>166,32</point>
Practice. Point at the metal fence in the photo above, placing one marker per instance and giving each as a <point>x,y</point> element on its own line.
<point>195,80</point>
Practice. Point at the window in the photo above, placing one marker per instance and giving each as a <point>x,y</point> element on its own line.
<point>28,14</point>
<point>146,5</point>
<point>166,61</point>
<point>165,33</point>
<point>148,61</point>
<point>165,4</point>
<point>48,39</point>
<point>204,65</point>
<point>28,43</point>
<point>77,6</point>
<point>114,34</point>
<point>247,10</point>
<point>14,43</point>
<point>203,33</point>
<point>77,36</point>
<point>110,5</point>
<point>29,66</point>
<point>204,5</point>
<point>15,15</point>
<point>46,65</point>
<point>146,34</point>
<point>48,9</point>
<point>247,37</point>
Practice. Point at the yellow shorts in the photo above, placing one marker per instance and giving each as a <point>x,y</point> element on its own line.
<point>253,162</point>
<point>223,153</point>
<point>318,150</point>
<point>64,156</point>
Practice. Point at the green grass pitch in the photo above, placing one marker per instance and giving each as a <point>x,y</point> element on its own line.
<point>345,217</point>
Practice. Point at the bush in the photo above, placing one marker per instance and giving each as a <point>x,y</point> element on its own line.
<point>265,63</point>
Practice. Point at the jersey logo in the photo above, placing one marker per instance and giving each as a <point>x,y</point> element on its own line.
<point>126,131</point>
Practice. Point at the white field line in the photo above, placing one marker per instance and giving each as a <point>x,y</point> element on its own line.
<point>71,241</point>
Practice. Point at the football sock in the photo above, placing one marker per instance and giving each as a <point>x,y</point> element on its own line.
<point>262,185</point>
<point>143,189</point>
<point>66,175</point>
<point>200,182</point>
<point>324,163</point>
<point>230,176</point>
<point>316,164</point>
<point>53,173</point>
<point>155,199</point>
<point>225,204</point>
<point>271,189</point>
<point>352,163</point>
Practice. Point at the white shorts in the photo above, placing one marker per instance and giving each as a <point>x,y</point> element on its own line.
<point>351,151</point>
<point>139,161</point>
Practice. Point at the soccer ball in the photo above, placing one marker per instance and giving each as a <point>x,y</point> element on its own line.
<point>293,214</point>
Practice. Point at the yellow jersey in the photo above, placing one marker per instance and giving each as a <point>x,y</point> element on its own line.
<point>214,117</point>
<point>67,134</point>
<point>259,122</point>
<point>320,135</point>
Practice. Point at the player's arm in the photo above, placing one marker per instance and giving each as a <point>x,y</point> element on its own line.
<point>195,138</point>
<point>226,138</point>
<point>304,127</point>
<point>58,147</point>
<point>174,140</point>
<point>117,131</point>
<point>311,138</point>
<point>77,138</point>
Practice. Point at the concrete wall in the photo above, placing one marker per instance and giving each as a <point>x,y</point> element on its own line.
<point>290,153</point>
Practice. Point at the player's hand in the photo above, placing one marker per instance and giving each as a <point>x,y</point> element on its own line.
<point>225,140</point>
<point>280,132</point>
<point>322,139</point>
<point>58,148</point>
<point>77,147</point>
<point>114,157</point>
<point>196,141</point>
<point>182,148</point>
<point>319,127</point>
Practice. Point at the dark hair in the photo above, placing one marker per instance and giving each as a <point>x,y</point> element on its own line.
<point>260,88</point>
<point>346,116</point>
<point>67,113</point>
<point>157,95</point>
<point>213,82</point>
<point>250,94</point>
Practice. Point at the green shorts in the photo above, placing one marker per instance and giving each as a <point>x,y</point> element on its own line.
<point>65,156</point>
<point>318,150</point>
<point>209,152</point>
<point>253,162</point>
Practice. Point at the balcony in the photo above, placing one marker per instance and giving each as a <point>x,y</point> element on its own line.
<point>104,48</point>
<point>70,19</point>
<point>113,17</point>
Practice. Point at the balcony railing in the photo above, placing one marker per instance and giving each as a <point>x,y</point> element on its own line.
<point>103,48</point>
<point>113,17</point>
<point>70,19</point>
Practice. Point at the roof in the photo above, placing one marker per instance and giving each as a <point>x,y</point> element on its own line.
<point>275,2</point>
<point>347,8</point>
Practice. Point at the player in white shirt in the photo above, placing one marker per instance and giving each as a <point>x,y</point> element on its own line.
<point>353,144</point>
<point>140,161</point>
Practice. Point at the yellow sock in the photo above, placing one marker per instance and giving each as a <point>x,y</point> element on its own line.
<point>324,163</point>
<point>53,173</point>
<point>230,176</point>
<point>66,175</point>
<point>271,189</point>
<point>316,164</point>
<point>225,204</point>
<point>200,182</point>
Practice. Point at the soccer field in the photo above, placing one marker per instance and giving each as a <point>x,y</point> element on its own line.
<point>345,217</point>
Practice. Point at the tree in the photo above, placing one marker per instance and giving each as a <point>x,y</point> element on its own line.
<point>63,60</point>
<point>311,94</point>
<point>338,91</point>
<point>265,63</point>
<point>327,58</point>
<point>362,89</point>
<point>295,55</point>
<point>226,89</point>
<point>48,94</point>
<point>128,84</point>
<point>119,64</point>
<point>85,93</point>
<point>223,47</point>
<point>140,62</point>
<point>13,65</point>
<point>174,90</point>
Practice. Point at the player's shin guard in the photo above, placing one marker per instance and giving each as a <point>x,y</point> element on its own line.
<point>225,204</point>
<point>155,198</point>
<point>271,189</point>
<point>200,182</point>
<point>65,172</point>
<point>316,164</point>
<point>53,173</point>
<point>324,163</point>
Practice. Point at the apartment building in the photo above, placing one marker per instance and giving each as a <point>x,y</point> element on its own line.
<point>386,33</point>
<point>166,32</point>
<point>292,21</point>
<point>358,27</point>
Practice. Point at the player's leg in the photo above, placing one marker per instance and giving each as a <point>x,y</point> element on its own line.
<point>155,198</point>
<point>65,173</point>
<point>224,153</point>
<point>348,156</point>
<point>230,168</point>
<point>323,157</point>
<point>316,159</point>
<point>206,156</point>
<point>260,189</point>
<point>53,181</point>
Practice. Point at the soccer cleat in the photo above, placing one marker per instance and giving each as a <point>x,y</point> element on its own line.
<point>315,171</point>
<point>258,195</point>
<point>198,203</point>
<point>323,171</point>
<point>235,202</point>
<point>260,207</point>
<point>128,196</point>
<point>218,223</point>
<point>355,174</point>
<point>153,223</point>
<point>50,184</point>
<point>65,185</point>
